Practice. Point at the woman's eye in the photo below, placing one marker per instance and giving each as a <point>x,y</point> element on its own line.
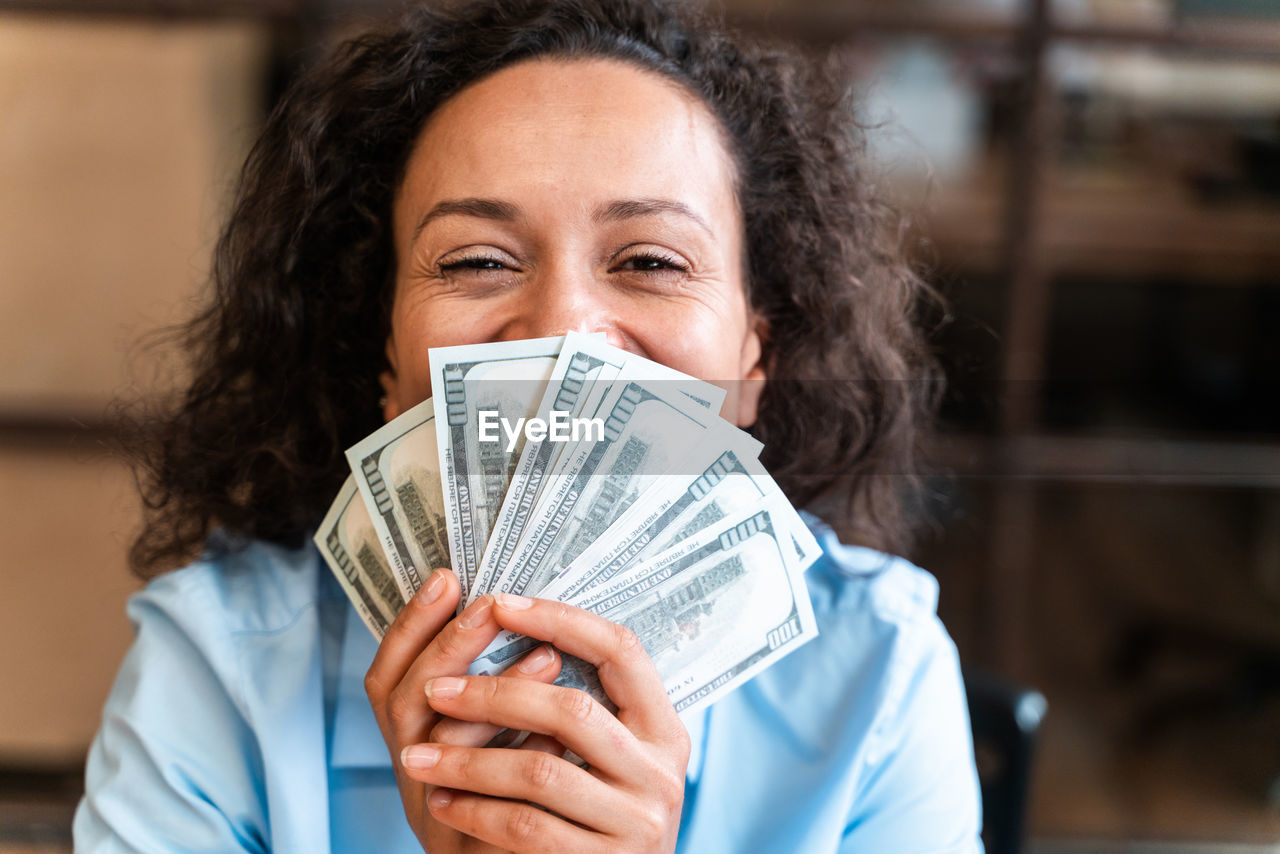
<point>478,275</point>
<point>653,263</point>
<point>473,264</point>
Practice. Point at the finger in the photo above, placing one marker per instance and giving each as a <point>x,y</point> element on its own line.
<point>450,652</point>
<point>626,671</point>
<point>417,623</point>
<point>522,775</point>
<point>456,645</point>
<point>543,743</point>
<point>541,665</point>
<point>509,825</point>
<point>569,715</point>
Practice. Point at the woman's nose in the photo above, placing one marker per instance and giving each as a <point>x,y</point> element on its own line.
<point>561,301</point>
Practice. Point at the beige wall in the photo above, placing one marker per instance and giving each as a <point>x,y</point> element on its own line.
<point>63,628</point>
<point>119,140</point>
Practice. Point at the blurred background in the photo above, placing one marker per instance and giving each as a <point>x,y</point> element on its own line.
<point>1094,185</point>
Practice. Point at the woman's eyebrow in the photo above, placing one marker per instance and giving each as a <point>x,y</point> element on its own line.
<point>481,208</point>
<point>632,208</point>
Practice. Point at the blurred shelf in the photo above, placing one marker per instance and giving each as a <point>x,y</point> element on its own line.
<point>822,24</point>
<point>162,9</point>
<point>1110,226</point>
<point>1119,460</point>
<point>55,427</point>
<point>1237,37</point>
<point>828,23</point>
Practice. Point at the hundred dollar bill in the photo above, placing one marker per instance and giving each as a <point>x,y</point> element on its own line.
<point>506,378</point>
<point>587,373</point>
<point>398,472</point>
<point>597,384</point>
<point>645,432</point>
<point>718,608</point>
<point>735,483</point>
<point>349,544</point>
<point>637,482</point>
<point>681,389</point>
<point>583,374</point>
<point>707,395</point>
<point>800,548</point>
<point>677,507</point>
<point>712,612</point>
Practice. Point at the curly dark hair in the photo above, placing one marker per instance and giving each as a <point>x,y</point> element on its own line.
<point>286,356</point>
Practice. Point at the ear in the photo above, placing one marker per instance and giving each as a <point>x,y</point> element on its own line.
<point>752,371</point>
<point>390,382</point>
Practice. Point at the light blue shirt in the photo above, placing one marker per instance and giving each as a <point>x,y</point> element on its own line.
<point>239,722</point>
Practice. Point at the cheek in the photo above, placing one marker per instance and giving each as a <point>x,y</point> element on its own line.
<point>419,324</point>
<point>695,339</point>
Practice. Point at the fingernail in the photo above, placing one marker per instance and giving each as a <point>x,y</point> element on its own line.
<point>477,614</point>
<point>536,660</point>
<point>431,591</point>
<point>514,603</point>
<point>439,799</point>
<point>445,687</point>
<point>419,756</point>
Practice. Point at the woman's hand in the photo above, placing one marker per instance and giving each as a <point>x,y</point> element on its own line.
<point>630,798</point>
<point>423,643</point>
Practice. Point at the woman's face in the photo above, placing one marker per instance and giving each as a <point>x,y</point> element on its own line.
<point>582,195</point>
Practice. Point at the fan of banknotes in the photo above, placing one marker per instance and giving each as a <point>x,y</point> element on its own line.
<point>568,469</point>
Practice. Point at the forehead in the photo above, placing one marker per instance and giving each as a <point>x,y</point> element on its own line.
<point>596,128</point>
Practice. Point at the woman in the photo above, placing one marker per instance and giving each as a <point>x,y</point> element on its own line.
<point>512,170</point>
